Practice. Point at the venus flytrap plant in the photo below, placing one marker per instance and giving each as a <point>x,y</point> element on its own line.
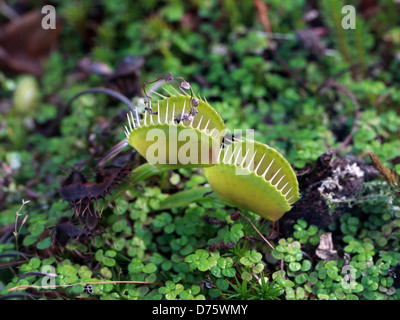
<point>171,125</point>
<point>256,177</point>
<point>250,174</point>
<point>181,130</point>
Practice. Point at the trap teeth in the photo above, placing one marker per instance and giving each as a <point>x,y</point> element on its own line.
<point>255,177</point>
<point>174,136</point>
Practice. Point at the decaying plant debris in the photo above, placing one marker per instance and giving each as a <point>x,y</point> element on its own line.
<point>329,178</point>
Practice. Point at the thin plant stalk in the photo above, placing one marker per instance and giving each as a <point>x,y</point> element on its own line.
<point>266,241</point>
<point>16,229</point>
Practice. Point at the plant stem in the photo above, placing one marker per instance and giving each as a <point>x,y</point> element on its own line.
<point>26,286</point>
<point>16,230</point>
<point>257,230</point>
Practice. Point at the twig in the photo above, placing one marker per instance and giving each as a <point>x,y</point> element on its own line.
<point>26,286</point>
<point>263,15</point>
<point>381,98</point>
<point>8,11</point>
<point>106,91</point>
<point>110,92</point>
<point>15,254</point>
<point>257,230</point>
<point>262,11</point>
<point>17,216</point>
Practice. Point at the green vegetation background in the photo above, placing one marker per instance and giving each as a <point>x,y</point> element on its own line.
<point>220,47</point>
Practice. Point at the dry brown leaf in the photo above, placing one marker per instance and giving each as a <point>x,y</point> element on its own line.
<point>390,176</point>
<point>24,44</point>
